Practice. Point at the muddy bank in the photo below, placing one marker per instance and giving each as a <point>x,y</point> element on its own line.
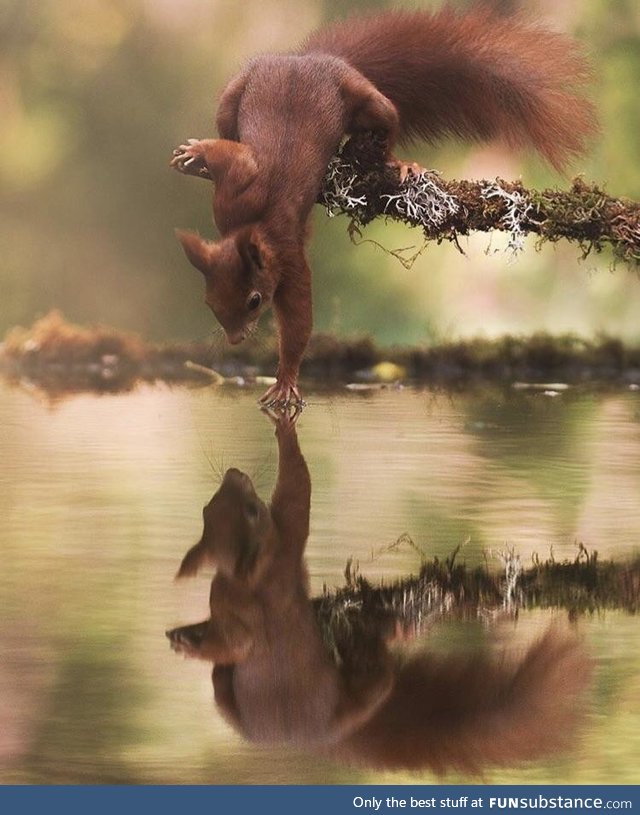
<point>60,357</point>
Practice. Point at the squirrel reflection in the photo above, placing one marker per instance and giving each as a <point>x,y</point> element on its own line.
<point>276,680</point>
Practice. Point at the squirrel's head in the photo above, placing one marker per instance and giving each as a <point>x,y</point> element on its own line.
<point>236,532</point>
<point>238,283</point>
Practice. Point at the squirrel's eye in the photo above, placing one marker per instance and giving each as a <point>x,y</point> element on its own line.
<point>254,301</point>
<point>252,512</point>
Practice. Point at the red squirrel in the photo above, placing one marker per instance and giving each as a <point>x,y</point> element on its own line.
<point>274,678</point>
<point>360,696</point>
<point>405,75</point>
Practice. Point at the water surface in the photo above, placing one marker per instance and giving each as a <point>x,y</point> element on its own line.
<point>102,496</point>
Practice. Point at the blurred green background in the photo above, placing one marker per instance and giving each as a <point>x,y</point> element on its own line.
<point>94,94</point>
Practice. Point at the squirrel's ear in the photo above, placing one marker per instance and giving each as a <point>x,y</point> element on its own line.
<point>249,248</point>
<point>192,561</point>
<point>255,254</point>
<point>200,252</point>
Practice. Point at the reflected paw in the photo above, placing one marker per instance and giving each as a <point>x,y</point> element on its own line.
<point>283,418</point>
<point>187,639</point>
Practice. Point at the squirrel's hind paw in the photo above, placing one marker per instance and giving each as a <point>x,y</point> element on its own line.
<point>187,639</point>
<point>405,168</point>
<point>189,159</point>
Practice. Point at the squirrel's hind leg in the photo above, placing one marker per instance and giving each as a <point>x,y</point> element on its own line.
<point>216,160</point>
<point>370,110</point>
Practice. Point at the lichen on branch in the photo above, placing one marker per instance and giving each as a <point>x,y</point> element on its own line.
<point>359,184</point>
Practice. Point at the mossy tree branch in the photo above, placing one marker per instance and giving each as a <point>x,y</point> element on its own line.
<point>360,185</point>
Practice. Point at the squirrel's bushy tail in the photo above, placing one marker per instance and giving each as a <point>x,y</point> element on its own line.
<point>475,75</point>
<point>468,713</point>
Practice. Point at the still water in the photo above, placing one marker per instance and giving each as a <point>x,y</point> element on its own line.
<point>102,496</point>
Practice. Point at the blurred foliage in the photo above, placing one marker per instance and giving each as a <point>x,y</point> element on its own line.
<point>95,94</point>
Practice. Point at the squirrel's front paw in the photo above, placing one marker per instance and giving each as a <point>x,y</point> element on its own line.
<point>283,418</point>
<point>282,395</point>
<point>190,159</point>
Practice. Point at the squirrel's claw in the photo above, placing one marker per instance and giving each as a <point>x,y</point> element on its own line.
<point>405,168</point>
<point>283,419</point>
<point>181,644</point>
<point>282,394</point>
<point>189,159</point>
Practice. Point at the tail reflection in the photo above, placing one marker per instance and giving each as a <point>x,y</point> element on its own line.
<point>278,679</point>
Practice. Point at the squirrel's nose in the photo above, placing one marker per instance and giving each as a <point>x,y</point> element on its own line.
<point>236,337</point>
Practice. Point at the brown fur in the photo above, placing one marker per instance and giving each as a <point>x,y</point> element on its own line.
<point>276,680</point>
<point>469,713</point>
<point>404,74</point>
